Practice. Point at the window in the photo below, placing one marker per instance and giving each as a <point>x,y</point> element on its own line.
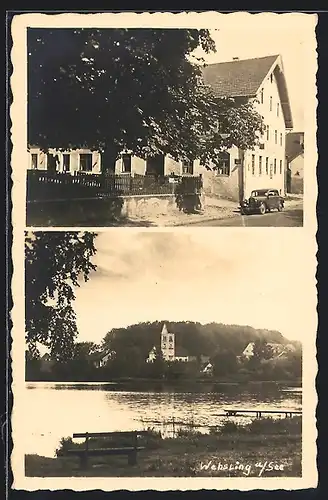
<point>275,137</point>
<point>261,96</point>
<point>66,162</point>
<point>270,103</point>
<point>34,160</point>
<point>280,167</point>
<point>126,163</point>
<point>260,165</point>
<point>86,162</point>
<point>253,164</point>
<point>188,167</point>
<point>271,78</point>
<point>223,166</point>
<point>274,166</point>
<point>280,139</point>
<point>267,132</point>
<point>267,165</point>
<point>171,338</point>
<point>164,338</point>
<point>278,108</point>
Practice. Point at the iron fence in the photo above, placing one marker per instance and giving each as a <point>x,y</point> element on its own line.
<point>45,185</point>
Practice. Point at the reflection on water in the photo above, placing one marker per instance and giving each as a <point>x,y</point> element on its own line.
<point>52,410</point>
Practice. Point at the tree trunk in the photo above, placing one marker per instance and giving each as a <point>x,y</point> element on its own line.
<point>108,159</point>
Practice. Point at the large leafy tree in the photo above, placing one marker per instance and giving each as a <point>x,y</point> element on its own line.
<point>55,263</point>
<point>135,89</point>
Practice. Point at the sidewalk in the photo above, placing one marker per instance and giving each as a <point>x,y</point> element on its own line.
<point>215,208</point>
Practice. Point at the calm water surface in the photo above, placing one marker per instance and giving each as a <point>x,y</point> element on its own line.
<point>56,410</point>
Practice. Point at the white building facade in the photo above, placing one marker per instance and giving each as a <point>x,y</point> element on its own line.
<point>260,80</point>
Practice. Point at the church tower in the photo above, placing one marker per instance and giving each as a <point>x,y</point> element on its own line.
<point>167,344</point>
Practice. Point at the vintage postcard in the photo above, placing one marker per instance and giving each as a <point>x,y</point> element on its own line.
<point>162,351</point>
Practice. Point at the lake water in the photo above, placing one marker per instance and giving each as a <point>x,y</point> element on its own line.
<point>56,410</point>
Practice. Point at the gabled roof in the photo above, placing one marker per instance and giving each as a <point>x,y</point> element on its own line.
<point>244,78</point>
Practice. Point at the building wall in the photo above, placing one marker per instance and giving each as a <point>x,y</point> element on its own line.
<point>273,143</point>
<point>296,167</point>
<point>75,160</point>
<point>221,185</point>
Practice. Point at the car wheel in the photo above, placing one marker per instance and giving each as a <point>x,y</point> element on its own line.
<point>262,209</point>
<point>280,207</point>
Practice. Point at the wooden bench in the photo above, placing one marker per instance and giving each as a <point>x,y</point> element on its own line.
<point>130,450</point>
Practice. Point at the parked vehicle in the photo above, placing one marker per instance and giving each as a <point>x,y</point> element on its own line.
<point>262,201</point>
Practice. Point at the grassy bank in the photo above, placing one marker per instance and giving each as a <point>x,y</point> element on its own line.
<point>265,447</point>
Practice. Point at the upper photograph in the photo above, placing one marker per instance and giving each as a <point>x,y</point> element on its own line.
<point>166,127</point>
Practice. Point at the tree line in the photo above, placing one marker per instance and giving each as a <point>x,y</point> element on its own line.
<point>129,347</point>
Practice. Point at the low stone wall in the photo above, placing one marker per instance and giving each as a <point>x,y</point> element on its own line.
<point>103,211</point>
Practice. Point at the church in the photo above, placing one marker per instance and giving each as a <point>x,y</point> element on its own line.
<point>168,348</point>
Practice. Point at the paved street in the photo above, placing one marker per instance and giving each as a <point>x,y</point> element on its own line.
<point>291,217</point>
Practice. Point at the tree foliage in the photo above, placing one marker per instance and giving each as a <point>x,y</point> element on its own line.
<point>55,263</point>
<point>135,89</point>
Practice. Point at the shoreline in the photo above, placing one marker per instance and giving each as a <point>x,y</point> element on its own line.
<point>288,383</point>
<point>262,448</point>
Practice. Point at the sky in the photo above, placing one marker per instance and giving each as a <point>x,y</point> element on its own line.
<point>224,276</point>
<point>258,37</point>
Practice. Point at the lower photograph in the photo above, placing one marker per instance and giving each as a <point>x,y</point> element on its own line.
<point>164,355</point>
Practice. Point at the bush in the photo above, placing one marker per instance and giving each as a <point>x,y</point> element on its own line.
<point>65,444</point>
<point>269,425</point>
<point>230,428</point>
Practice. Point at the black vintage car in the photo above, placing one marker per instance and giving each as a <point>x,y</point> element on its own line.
<point>262,201</point>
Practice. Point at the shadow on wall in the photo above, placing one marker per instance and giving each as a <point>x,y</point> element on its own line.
<point>74,212</point>
<point>188,203</point>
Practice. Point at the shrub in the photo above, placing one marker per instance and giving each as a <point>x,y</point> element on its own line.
<point>230,427</point>
<point>65,444</point>
<point>269,425</point>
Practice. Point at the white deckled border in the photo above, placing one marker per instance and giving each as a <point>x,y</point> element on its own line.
<point>18,113</point>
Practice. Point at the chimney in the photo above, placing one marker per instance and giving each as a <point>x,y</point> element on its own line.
<point>235,58</point>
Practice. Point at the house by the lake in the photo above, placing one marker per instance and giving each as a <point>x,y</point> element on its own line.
<point>277,350</point>
<point>100,359</point>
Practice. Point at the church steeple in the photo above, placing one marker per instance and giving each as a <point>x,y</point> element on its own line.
<point>167,344</point>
